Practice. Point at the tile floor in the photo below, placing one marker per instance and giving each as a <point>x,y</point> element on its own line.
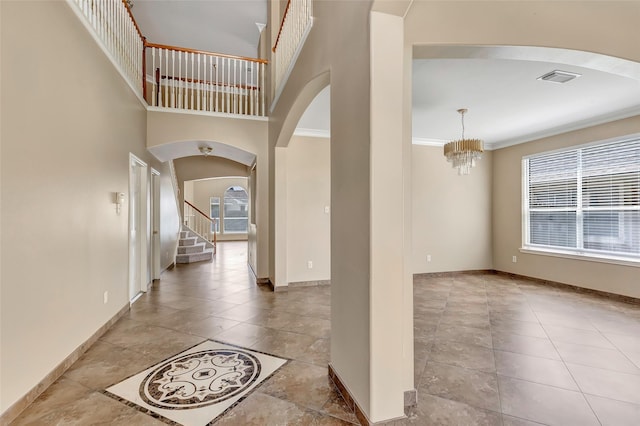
<point>196,386</point>
<point>489,350</point>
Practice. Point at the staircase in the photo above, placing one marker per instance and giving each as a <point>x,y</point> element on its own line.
<point>191,248</point>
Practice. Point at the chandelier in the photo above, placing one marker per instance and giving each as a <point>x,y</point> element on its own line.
<point>463,153</point>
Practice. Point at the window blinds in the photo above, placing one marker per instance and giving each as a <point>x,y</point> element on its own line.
<point>585,200</point>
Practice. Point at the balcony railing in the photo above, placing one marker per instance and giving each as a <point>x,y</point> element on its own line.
<point>113,24</point>
<point>296,24</point>
<point>174,77</point>
<point>204,81</point>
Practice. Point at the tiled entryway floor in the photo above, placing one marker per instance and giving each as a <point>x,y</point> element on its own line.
<point>489,350</point>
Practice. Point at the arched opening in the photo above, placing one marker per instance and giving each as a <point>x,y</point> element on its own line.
<point>203,175</point>
<point>303,196</point>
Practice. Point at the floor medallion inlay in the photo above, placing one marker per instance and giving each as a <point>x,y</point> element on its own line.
<point>195,386</point>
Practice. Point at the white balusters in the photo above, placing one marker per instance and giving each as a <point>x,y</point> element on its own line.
<point>173,80</point>
<point>198,86</point>
<point>216,86</point>
<point>180,78</point>
<point>260,89</point>
<point>212,86</point>
<point>165,99</point>
<point>112,25</point>
<point>191,81</point>
<point>154,87</point>
<point>234,88</point>
<point>180,94</point>
<point>294,27</point>
<point>199,223</point>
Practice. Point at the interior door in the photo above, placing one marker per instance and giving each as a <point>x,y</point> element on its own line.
<point>138,208</point>
<point>155,225</point>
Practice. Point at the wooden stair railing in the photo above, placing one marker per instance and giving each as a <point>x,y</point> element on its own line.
<point>200,223</point>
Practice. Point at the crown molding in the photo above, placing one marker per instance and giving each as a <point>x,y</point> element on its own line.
<point>441,142</point>
<point>313,133</point>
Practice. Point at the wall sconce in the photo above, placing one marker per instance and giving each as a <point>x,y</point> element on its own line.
<point>119,200</point>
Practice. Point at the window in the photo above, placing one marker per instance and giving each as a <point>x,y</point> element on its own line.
<point>236,212</point>
<point>215,214</point>
<point>584,201</point>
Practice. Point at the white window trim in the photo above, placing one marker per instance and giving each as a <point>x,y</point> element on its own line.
<point>578,254</point>
<point>223,216</point>
<point>571,254</point>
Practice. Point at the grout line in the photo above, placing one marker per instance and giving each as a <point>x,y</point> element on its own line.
<point>569,371</point>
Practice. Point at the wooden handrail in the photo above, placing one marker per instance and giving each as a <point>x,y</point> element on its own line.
<point>210,222</point>
<point>213,83</point>
<point>204,52</point>
<point>198,210</point>
<point>286,11</point>
<point>135,24</point>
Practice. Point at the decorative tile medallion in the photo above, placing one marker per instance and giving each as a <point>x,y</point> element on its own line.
<point>196,386</point>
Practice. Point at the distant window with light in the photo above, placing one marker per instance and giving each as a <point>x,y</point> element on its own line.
<point>215,214</point>
<point>584,201</point>
<point>236,210</point>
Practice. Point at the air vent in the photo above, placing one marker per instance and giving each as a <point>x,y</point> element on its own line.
<point>559,76</point>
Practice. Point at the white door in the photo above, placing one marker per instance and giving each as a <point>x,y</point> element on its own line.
<point>138,235</point>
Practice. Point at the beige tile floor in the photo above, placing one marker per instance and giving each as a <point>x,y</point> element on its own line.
<point>489,350</point>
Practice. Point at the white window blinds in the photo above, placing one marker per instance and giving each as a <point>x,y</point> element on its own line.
<point>584,200</point>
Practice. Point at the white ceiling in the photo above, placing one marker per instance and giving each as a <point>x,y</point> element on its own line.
<point>506,102</point>
<point>221,26</point>
<point>498,85</point>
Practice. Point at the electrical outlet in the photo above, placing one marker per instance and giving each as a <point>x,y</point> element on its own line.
<point>428,258</point>
<point>514,259</point>
<point>105,297</point>
<point>310,264</point>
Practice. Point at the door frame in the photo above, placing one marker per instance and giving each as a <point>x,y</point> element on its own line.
<point>138,244</point>
<point>155,225</point>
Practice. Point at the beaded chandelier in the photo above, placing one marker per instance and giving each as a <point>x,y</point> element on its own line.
<point>463,153</point>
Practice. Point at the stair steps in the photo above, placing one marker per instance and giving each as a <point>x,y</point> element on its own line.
<point>190,250</point>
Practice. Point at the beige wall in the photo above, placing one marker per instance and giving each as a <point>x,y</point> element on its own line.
<point>339,41</point>
<point>169,218</point>
<point>65,151</point>
<point>204,189</point>
<point>606,27</point>
<point>507,218</point>
<point>308,193</point>
<point>451,213</point>
<point>190,169</point>
<point>343,41</point>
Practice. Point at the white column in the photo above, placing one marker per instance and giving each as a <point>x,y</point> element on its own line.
<point>391,358</point>
<point>280,200</point>
<point>371,280</point>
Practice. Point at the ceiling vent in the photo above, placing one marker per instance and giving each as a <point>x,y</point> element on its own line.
<point>559,76</point>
